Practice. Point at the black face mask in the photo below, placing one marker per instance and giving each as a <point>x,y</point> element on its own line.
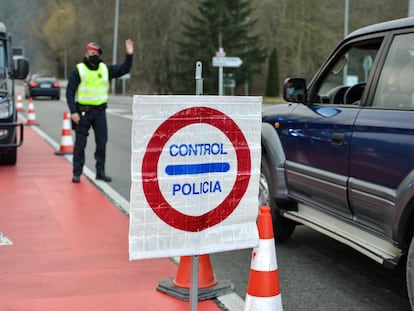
<point>94,59</point>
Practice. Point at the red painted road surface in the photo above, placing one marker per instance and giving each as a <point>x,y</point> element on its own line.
<point>70,243</point>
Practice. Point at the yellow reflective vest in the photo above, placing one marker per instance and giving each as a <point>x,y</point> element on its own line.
<point>94,85</point>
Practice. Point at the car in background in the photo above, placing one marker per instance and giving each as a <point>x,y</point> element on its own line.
<point>42,85</point>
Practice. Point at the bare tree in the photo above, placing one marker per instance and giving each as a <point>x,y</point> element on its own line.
<point>303,31</point>
<point>154,26</point>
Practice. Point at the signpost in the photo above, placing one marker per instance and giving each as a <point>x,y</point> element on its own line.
<point>220,60</point>
<point>227,61</point>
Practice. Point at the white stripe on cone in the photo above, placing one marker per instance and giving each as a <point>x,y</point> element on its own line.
<point>265,256</point>
<point>263,303</point>
<point>263,289</point>
<point>31,116</point>
<point>66,143</point>
<point>19,103</point>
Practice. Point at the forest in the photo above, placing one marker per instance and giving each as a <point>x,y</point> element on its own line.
<point>54,34</point>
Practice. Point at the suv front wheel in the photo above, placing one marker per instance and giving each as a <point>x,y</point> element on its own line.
<point>282,227</point>
<point>410,273</point>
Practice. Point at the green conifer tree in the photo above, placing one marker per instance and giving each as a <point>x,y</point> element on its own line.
<point>216,22</point>
<point>273,87</point>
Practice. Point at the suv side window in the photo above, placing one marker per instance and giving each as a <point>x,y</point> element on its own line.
<point>346,78</point>
<point>395,87</point>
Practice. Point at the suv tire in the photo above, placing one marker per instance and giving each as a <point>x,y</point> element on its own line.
<point>410,273</point>
<point>283,228</point>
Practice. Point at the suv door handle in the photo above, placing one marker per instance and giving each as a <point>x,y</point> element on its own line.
<point>337,139</point>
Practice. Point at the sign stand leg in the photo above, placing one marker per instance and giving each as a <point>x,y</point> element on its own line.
<point>194,283</point>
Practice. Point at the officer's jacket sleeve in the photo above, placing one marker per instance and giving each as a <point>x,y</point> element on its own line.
<point>116,71</point>
<point>71,88</point>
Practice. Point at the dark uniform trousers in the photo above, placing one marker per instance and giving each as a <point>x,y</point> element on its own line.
<point>95,118</point>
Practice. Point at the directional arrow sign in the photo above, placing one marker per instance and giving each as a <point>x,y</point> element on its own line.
<point>226,61</point>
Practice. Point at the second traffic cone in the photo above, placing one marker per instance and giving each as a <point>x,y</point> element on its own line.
<point>31,115</point>
<point>263,289</point>
<point>206,276</point>
<point>208,286</point>
<point>19,102</point>
<point>66,144</point>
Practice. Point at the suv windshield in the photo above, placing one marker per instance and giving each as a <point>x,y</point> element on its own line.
<point>5,82</point>
<point>4,76</point>
<point>3,54</point>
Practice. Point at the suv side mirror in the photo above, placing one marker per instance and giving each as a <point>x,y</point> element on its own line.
<point>294,90</point>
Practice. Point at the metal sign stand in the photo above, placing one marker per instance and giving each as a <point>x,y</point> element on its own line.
<point>198,78</point>
<point>194,283</point>
<point>194,259</point>
<point>211,288</point>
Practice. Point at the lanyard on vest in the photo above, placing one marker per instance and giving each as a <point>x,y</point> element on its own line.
<point>94,85</point>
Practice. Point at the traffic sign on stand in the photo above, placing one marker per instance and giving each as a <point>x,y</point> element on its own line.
<point>195,175</point>
<point>227,61</point>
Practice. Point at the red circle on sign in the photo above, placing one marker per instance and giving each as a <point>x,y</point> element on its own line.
<point>155,146</point>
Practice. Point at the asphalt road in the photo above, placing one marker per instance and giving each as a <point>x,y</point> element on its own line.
<point>316,272</point>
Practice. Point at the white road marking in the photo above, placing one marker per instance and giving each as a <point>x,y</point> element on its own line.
<point>4,240</point>
<point>122,113</point>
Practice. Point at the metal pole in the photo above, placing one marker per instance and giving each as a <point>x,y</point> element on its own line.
<point>65,62</point>
<point>199,78</point>
<point>220,73</point>
<point>410,7</point>
<point>346,18</point>
<point>194,259</point>
<point>114,56</point>
<point>194,283</point>
<point>65,51</point>
<point>220,80</point>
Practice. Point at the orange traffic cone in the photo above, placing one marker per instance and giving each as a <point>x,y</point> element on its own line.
<point>263,290</point>
<point>19,102</point>
<point>206,277</point>
<point>31,116</point>
<point>208,286</point>
<point>66,144</point>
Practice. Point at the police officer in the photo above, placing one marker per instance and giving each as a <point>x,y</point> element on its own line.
<point>87,97</point>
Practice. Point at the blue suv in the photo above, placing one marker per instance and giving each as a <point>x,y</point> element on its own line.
<point>338,156</point>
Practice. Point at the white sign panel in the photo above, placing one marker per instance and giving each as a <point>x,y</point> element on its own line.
<point>195,175</point>
<point>227,61</point>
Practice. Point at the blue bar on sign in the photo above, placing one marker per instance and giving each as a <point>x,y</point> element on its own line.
<point>191,169</point>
